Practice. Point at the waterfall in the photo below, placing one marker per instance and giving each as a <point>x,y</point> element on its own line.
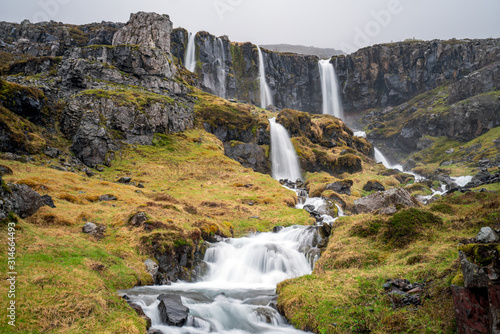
<point>238,294</point>
<point>190,56</point>
<point>265,93</point>
<point>220,55</point>
<point>332,104</point>
<point>285,164</point>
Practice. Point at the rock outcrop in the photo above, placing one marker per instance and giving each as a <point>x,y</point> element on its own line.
<point>386,202</point>
<point>146,29</point>
<point>476,290</point>
<point>390,74</point>
<point>19,199</point>
<point>293,79</point>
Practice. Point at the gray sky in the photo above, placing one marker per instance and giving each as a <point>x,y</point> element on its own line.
<point>347,24</point>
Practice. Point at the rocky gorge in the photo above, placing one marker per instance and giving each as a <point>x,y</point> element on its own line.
<point>126,169</point>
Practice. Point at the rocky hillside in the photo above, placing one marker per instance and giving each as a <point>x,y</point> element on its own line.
<point>118,165</point>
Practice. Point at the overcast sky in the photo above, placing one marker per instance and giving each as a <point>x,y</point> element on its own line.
<point>347,24</point>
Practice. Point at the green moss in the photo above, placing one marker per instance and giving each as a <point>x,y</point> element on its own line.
<point>481,254</point>
<point>406,226</point>
<point>458,279</point>
<point>443,208</point>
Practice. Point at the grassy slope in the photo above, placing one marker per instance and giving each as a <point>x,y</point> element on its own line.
<point>67,280</point>
<point>345,295</point>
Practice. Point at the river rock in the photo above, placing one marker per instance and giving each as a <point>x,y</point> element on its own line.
<point>385,202</point>
<point>172,311</point>
<point>154,331</point>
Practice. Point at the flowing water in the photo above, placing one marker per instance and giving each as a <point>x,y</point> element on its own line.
<point>285,164</point>
<point>332,103</point>
<point>220,86</point>
<point>190,56</point>
<point>265,93</point>
<point>238,294</point>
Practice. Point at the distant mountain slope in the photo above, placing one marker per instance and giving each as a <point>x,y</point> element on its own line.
<point>306,50</point>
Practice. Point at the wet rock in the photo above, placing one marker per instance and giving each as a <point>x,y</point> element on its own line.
<point>487,235</point>
<point>277,229</point>
<point>151,267</point>
<point>310,208</point>
<point>373,185</point>
<point>172,311</point>
<point>265,314</point>
<point>154,331</point>
<point>388,201</point>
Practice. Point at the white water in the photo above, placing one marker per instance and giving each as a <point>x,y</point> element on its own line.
<point>190,56</point>
<point>332,103</point>
<point>265,93</point>
<point>284,161</point>
<point>243,274</point>
<point>461,181</point>
<point>220,86</point>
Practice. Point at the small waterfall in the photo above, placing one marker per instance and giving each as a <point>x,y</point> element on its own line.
<point>221,68</point>
<point>265,93</point>
<point>190,56</point>
<point>332,104</point>
<point>285,164</point>
<point>238,294</point>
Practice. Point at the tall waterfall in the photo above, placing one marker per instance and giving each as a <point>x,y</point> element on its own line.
<point>265,93</point>
<point>190,56</point>
<point>238,294</point>
<point>332,103</point>
<point>220,55</point>
<point>285,164</point>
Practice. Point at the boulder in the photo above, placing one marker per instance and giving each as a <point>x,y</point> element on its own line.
<point>151,267</point>
<point>250,155</point>
<point>138,219</point>
<point>341,187</point>
<point>373,185</point>
<point>48,201</point>
<point>95,230</point>
<point>172,311</point>
<point>124,180</point>
<point>27,200</point>
<point>107,198</point>
<point>387,202</point>
<point>487,235</point>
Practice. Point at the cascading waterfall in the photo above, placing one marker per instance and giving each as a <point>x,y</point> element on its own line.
<point>332,103</point>
<point>284,161</point>
<point>238,294</point>
<point>221,68</point>
<point>190,56</point>
<point>265,93</point>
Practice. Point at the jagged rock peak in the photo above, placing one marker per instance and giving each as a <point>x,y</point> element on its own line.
<point>146,29</point>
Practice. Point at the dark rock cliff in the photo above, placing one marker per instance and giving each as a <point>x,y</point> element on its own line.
<point>390,74</point>
<point>293,79</point>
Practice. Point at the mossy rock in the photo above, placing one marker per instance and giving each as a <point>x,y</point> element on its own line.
<point>348,163</point>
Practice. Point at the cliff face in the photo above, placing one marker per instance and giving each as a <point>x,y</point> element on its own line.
<point>101,96</point>
<point>390,74</point>
<point>231,70</point>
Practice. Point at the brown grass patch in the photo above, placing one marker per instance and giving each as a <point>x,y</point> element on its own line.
<point>49,217</point>
<point>70,198</point>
